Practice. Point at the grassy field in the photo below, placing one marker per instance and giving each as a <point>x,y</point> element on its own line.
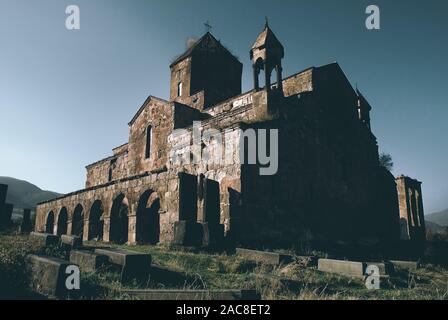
<point>296,280</point>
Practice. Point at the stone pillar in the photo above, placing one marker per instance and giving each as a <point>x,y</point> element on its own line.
<point>3,192</point>
<point>85,232</point>
<point>26,227</point>
<point>69,227</point>
<point>256,72</point>
<point>267,74</point>
<point>279,70</point>
<point>132,229</point>
<point>106,229</point>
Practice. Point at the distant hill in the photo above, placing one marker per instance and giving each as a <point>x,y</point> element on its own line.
<point>23,194</point>
<point>441,218</point>
<point>434,227</point>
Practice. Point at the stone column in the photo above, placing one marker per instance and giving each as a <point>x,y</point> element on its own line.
<point>85,232</point>
<point>106,229</point>
<point>267,74</point>
<point>255,74</point>
<point>69,227</point>
<point>132,229</point>
<point>279,70</point>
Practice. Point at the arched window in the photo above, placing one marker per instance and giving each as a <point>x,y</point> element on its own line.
<point>179,89</point>
<point>148,142</point>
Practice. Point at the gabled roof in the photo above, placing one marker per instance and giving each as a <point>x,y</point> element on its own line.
<point>206,42</point>
<point>267,39</point>
<point>143,107</point>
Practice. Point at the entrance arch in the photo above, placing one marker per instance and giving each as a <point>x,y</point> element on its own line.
<point>49,224</point>
<point>96,222</point>
<point>78,221</point>
<point>62,222</point>
<point>119,224</point>
<point>148,219</point>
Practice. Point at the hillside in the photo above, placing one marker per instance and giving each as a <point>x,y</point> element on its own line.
<point>441,218</point>
<point>23,194</point>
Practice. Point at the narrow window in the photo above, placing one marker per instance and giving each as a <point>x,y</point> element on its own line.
<point>179,89</point>
<point>148,142</point>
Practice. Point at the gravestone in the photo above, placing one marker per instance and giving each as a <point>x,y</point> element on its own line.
<point>48,275</point>
<point>72,242</point>
<point>26,226</point>
<point>347,268</point>
<point>3,192</point>
<point>133,265</point>
<point>88,261</point>
<point>263,256</point>
<point>5,208</point>
<point>45,239</point>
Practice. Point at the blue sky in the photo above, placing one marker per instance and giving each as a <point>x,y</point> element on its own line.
<point>66,96</point>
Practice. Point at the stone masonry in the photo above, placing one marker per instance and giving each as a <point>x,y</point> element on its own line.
<point>329,185</point>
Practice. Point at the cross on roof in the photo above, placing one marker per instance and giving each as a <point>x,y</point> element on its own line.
<point>208,27</point>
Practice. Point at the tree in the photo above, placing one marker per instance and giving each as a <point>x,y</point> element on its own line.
<point>386,161</point>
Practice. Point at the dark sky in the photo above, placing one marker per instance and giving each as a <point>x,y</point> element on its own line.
<point>66,96</point>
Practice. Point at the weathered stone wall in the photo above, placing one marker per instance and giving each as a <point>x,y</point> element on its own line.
<point>412,217</point>
<point>164,184</point>
<point>159,115</point>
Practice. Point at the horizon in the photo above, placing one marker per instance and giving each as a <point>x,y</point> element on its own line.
<point>83,86</point>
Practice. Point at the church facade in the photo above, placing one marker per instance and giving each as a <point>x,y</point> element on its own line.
<point>328,183</point>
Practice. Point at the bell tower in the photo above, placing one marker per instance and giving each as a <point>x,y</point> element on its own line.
<point>266,54</point>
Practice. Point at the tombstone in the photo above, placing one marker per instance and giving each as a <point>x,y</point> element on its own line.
<point>5,208</point>
<point>7,215</point>
<point>72,242</point>
<point>133,265</point>
<point>88,261</point>
<point>3,192</point>
<point>263,256</point>
<point>45,239</point>
<point>347,268</point>
<point>188,233</point>
<point>48,275</point>
<point>26,226</point>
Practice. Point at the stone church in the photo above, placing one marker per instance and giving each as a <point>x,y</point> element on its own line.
<point>329,184</point>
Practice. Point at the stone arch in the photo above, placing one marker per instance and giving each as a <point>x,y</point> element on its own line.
<point>119,220</point>
<point>62,221</point>
<point>148,218</point>
<point>78,221</point>
<point>49,223</point>
<point>96,221</point>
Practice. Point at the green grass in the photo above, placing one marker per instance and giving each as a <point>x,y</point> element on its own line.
<point>220,271</point>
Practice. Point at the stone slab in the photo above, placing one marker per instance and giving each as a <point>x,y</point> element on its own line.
<point>3,192</point>
<point>45,239</point>
<point>178,295</point>
<point>88,261</point>
<point>187,233</point>
<point>125,257</point>
<point>348,268</point>
<point>263,256</point>
<point>133,265</point>
<point>406,264</point>
<point>48,275</point>
<point>71,241</point>
<point>385,268</point>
